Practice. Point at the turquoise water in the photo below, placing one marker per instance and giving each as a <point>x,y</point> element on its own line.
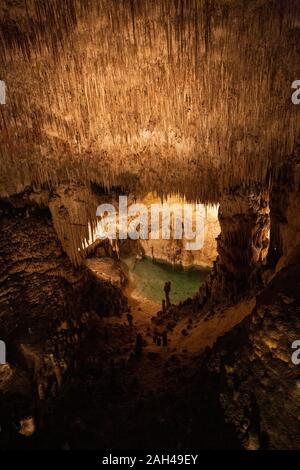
<point>149,279</point>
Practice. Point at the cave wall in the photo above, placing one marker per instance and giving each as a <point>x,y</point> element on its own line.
<point>259,383</point>
<point>284,200</point>
<point>46,306</point>
<point>39,283</point>
<point>174,251</point>
<point>242,246</point>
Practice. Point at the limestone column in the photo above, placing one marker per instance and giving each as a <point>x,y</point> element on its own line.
<point>242,244</point>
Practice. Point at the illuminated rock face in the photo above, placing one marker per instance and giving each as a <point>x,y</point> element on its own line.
<point>175,251</point>
<point>242,246</point>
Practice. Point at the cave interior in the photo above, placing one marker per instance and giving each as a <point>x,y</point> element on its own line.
<point>159,100</point>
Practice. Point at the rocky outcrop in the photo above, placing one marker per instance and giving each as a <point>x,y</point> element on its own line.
<point>259,382</point>
<point>175,251</point>
<point>284,212</point>
<point>38,282</point>
<point>242,246</point>
<point>45,307</point>
<point>73,210</point>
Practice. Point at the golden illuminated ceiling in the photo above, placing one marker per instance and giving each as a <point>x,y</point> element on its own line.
<point>170,95</point>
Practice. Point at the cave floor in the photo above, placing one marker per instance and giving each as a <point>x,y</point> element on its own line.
<point>163,399</point>
<point>200,330</point>
<point>113,398</point>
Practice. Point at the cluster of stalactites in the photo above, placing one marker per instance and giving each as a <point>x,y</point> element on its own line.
<point>73,211</point>
<point>185,96</point>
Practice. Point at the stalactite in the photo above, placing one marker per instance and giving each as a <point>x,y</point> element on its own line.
<point>73,211</point>
<point>152,92</point>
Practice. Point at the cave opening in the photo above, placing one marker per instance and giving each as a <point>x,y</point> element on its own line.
<point>156,254</point>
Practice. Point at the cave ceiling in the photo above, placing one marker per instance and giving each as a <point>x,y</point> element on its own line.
<point>172,96</point>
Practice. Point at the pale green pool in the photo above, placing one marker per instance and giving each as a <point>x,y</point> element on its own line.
<point>149,279</point>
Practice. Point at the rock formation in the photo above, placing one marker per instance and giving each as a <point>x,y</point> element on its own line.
<point>260,391</point>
